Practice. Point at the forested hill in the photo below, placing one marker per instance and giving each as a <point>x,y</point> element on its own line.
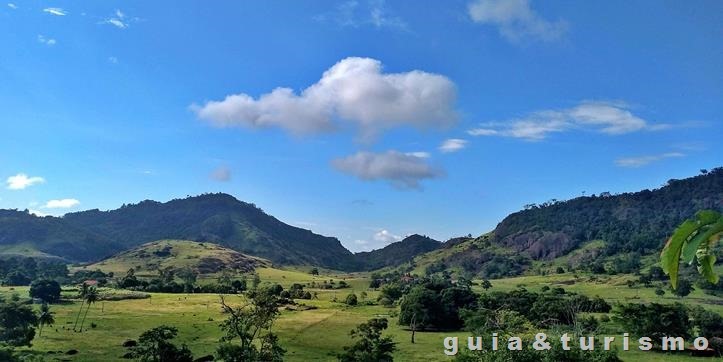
<point>396,253</point>
<point>638,221</point>
<point>217,218</point>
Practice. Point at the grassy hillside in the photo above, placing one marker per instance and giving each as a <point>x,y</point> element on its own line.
<point>204,258</point>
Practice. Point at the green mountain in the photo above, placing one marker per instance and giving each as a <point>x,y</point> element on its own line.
<point>396,253</point>
<point>24,234</point>
<point>215,218</point>
<point>581,231</point>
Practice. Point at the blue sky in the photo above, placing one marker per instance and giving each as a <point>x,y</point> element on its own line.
<point>364,120</point>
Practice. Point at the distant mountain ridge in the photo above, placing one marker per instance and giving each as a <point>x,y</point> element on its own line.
<point>217,218</point>
<point>397,253</point>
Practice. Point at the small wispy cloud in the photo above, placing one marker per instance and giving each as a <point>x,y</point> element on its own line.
<point>373,13</point>
<point>47,41</point>
<point>38,213</point>
<point>112,60</point>
<point>221,174</point>
<point>55,11</point>
<point>640,161</point>
<point>452,145</point>
<point>61,204</point>
<point>604,117</point>
<point>12,6</point>
<point>22,181</point>
<point>119,20</point>
<point>385,236</point>
<point>516,20</point>
<point>420,154</point>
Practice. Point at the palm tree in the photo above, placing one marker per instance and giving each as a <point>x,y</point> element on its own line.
<point>82,293</point>
<point>90,298</point>
<point>45,318</point>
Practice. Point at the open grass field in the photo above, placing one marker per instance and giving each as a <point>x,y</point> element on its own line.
<point>309,335</point>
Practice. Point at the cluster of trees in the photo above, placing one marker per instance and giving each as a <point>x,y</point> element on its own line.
<point>330,284</point>
<point>21,271</point>
<point>550,307</point>
<point>18,323</point>
<point>658,320</point>
<point>434,303</point>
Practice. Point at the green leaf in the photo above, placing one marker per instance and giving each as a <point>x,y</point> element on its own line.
<point>705,219</point>
<point>705,268</point>
<point>670,257</point>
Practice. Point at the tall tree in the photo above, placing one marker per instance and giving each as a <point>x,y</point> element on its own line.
<point>90,298</point>
<point>250,324</point>
<point>45,318</point>
<point>17,323</point>
<point>81,294</point>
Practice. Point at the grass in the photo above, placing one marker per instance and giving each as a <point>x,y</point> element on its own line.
<point>310,335</point>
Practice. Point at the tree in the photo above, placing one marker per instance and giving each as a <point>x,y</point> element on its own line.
<point>693,241</point>
<point>351,299</point>
<point>17,323</point>
<point>188,276</point>
<point>47,290</point>
<point>486,284</point>
<point>370,346</point>
<point>315,271</point>
<point>684,288</point>
<point>81,294</point>
<point>45,318</point>
<point>154,346</point>
<point>659,292</point>
<point>90,298</point>
<point>249,323</point>
<point>255,281</point>
<point>418,308</point>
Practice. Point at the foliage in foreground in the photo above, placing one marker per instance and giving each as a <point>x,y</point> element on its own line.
<point>693,241</point>
<point>155,345</point>
<point>370,346</point>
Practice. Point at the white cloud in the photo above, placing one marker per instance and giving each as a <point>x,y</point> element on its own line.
<point>113,60</point>
<point>47,41</point>
<point>604,117</point>
<point>221,174</point>
<point>61,204</point>
<point>386,237</point>
<point>22,181</point>
<point>55,11</point>
<point>516,20</point>
<point>401,170</point>
<point>419,154</point>
<point>355,90</point>
<point>12,6</point>
<point>635,162</point>
<point>372,13</point>
<point>452,145</point>
<point>37,213</point>
<point>119,20</point>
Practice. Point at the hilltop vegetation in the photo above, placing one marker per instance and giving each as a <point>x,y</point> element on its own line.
<point>202,258</point>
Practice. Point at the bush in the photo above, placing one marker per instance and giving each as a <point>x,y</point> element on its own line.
<point>351,299</point>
